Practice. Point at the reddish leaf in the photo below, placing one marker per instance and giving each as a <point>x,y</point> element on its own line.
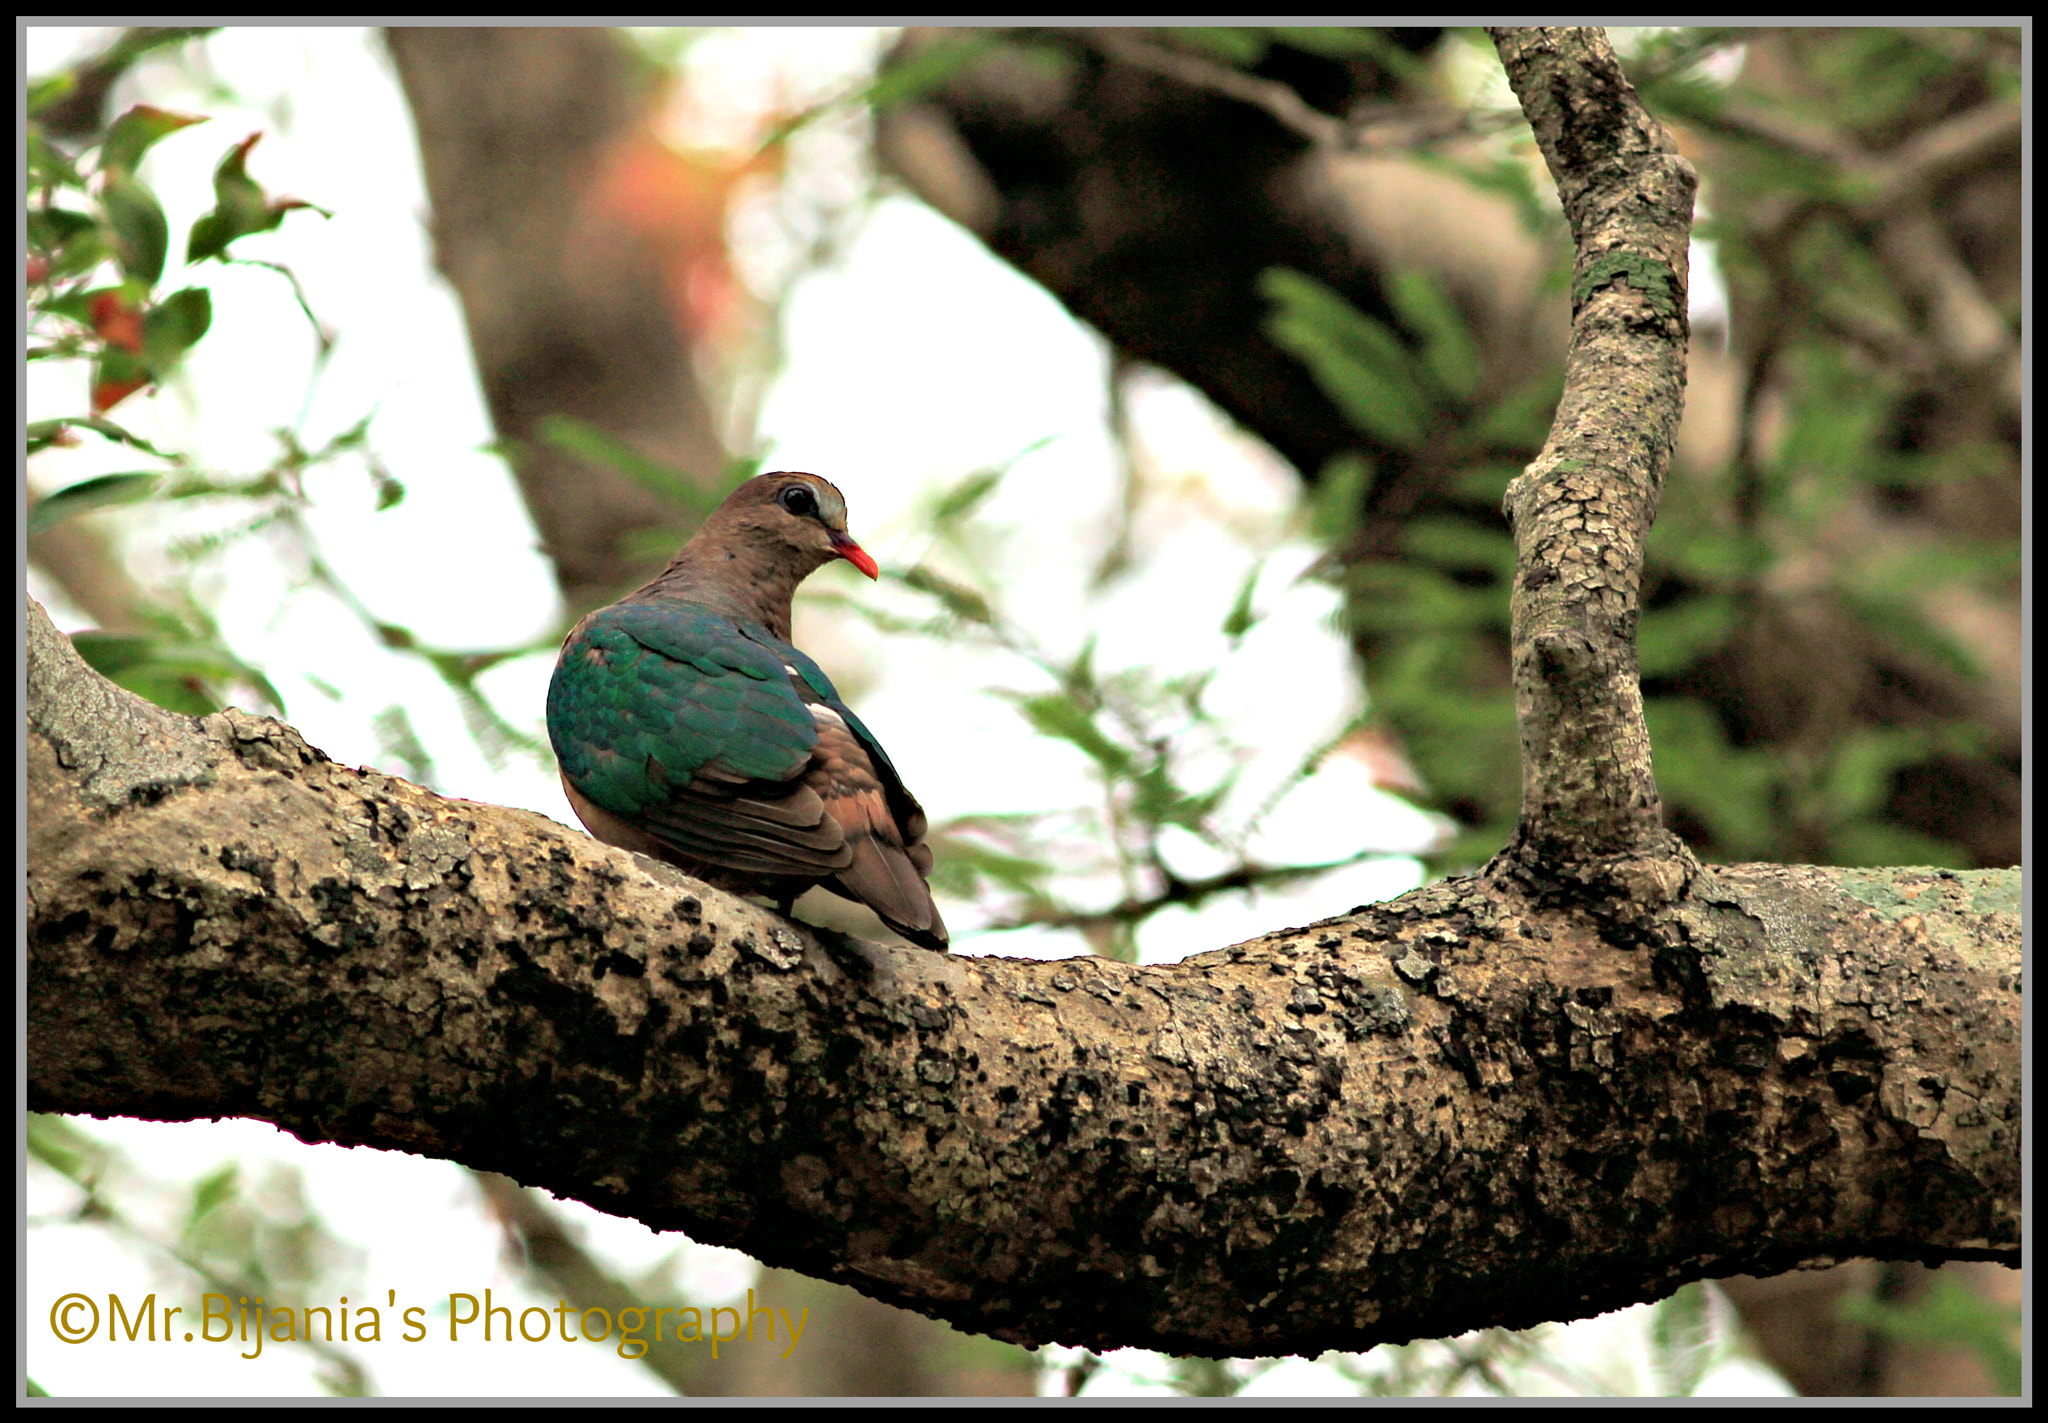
<point>110,391</point>
<point>135,132</point>
<point>117,322</point>
<point>240,207</point>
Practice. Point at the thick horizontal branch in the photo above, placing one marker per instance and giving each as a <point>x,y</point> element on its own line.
<point>1422,1117</point>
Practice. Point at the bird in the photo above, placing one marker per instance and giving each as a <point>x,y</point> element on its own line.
<point>690,729</point>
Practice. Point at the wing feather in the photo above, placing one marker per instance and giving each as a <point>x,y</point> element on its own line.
<point>730,748</point>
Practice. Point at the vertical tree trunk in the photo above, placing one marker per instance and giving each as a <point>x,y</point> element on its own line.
<point>567,314</point>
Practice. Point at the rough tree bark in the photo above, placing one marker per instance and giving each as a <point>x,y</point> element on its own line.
<point>1582,511</point>
<point>1452,1110</point>
<point>1569,1084</point>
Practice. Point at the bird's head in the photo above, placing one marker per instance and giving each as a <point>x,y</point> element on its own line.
<point>800,512</point>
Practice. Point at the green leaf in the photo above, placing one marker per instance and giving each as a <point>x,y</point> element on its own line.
<point>141,237</point>
<point>1719,556</point>
<point>49,228</point>
<point>1903,620</point>
<point>1359,363</point>
<point>100,492</point>
<point>173,326</point>
<point>968,495</point>
<point>1682,1340</point>
<point>1859,769</point>
<point>1159,801</point>
<point>1339,498</point>
<point>1949,1314</point>
<point>210,235</point>
<point>177,674</point>
<point>240,207</point>
<point>1352,42</point>
<point>1407,597</point>
<point>135,133</point>
<point>738,470</point>
<point>1335,41</point>
<point>212,1190</point>
<point>63,1148</point>
<point>1486,482</point>
<point>1450,543</point>
<point>1078,676</point>
<point>1874,843</point>
<point>76,305</point>
<point>112,62</point>
<point>923,70</point>
<point>959,600</point>
<point>1449,351</point>
<point>47,165</point>
<point>913,72</point>
<point>50,89</point>
<point>963,862</point>
<point>42,433</point>
<point>116,375</point>
<point>1520,419</point>
<point>1057,715</point>
<point>1732,791</point>
<point>1238,621</point>
<point>1672,638</point>
<point>390,492</point>
<point>1242,46</point>
<point>1507,177</point>
<point>587,442</point>
<point>79,256</point>
<point>958,502</point>
<point>398,741</point>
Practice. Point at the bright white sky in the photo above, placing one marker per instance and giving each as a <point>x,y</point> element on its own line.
<point>913,360</point>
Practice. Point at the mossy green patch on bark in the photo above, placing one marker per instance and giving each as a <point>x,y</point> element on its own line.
<point>1654,279</point>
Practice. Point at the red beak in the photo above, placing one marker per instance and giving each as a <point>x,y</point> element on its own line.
<point>854,554</point>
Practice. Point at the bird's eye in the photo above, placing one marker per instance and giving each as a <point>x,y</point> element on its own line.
<point>799,500</point>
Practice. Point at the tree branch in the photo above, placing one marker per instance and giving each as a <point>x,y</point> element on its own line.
<point>1453,1110</point>
<point>1380,128</point>
<point>1582,509</point>
<point>1279,101</point>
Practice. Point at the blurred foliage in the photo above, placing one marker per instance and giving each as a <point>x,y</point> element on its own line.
<point>1670,1353</point>
<point>98,245</point>
<point>1164,762</point>
<point>1951,1315</point>
<point>1435,610</point>
<point>912,78</point>
<point>1808,269</point>
<point>221,1234</point>
<point>691,498</point>
<point>98,248</point>
<point>1432,612</point>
